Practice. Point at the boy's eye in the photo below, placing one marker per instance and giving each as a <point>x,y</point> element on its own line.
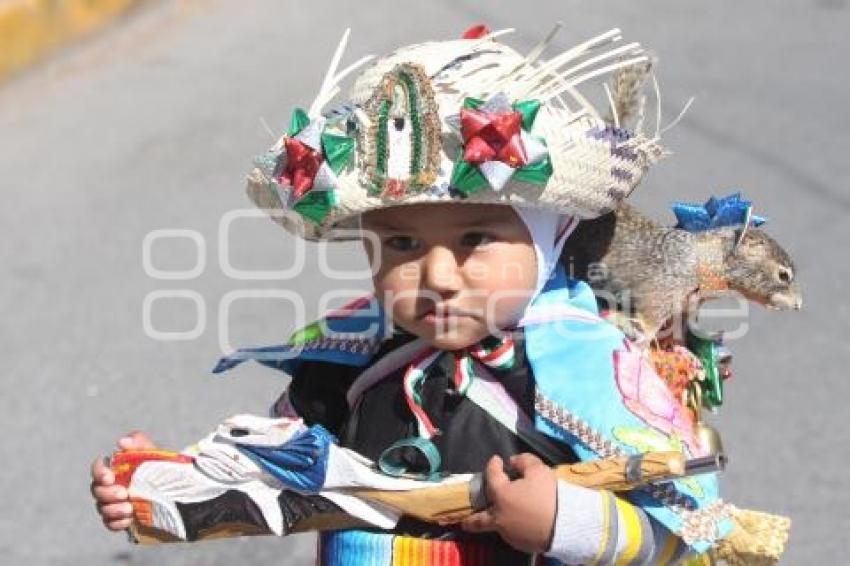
<point>475,239</point>
<point>402,243</point>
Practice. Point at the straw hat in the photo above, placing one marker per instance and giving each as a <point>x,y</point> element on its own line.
<point>466,121</point>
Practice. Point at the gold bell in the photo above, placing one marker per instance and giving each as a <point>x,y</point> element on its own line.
<point>707,435</point>
<point>709,439</point>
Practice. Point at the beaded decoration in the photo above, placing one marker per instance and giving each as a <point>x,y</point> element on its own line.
<point>400,148</point>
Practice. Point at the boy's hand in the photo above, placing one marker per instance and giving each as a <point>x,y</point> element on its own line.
<point>113,501</point>
<point>521,511</point>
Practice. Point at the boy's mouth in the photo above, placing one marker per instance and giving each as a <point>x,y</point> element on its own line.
<point>445,314</point>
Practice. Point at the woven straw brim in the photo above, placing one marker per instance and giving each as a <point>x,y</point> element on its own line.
<point>594,166</point>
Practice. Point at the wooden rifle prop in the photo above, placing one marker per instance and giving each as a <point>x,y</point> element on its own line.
<point>226,489</point>
<point>446,503</point>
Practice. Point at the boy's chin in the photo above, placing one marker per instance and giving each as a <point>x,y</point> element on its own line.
<point>452,337</point>
<point>452,340</point>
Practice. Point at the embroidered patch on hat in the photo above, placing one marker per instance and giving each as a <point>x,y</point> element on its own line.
<point>400,149</point>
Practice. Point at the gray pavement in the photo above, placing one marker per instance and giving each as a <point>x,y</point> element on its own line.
<point>153,124</point>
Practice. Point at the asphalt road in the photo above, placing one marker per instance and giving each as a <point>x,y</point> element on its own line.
<point>152,125</point>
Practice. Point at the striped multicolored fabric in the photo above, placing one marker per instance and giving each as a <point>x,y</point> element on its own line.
<point>364,548</point>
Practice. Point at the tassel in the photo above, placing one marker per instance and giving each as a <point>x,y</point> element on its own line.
<point>757,539</point>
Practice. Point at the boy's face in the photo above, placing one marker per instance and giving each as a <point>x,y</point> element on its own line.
<point>451,273</point>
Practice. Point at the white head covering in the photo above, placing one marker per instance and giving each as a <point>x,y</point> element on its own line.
<point>549,230</point>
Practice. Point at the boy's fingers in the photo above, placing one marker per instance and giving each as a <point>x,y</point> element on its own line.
<point>100,473</point>
<point>119,525</point>
<point>480,522</point>
<point>522,463</point>
<point>116,511</point>
<point>495,479</point>
<point>135,440</point>
<point>106,494</point>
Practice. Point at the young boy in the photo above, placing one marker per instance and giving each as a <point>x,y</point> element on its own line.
<point>470,172</point>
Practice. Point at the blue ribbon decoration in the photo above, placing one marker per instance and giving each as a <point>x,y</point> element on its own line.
<point>301,463</point>
<point>731,210</point>
<point>391,464</point>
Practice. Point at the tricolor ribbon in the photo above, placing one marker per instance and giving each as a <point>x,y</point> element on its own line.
<point>309,164</point>
<point>499,355</point>
<point>498,145</point>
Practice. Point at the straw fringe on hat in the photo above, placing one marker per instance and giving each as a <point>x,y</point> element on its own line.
<point>466,121</point>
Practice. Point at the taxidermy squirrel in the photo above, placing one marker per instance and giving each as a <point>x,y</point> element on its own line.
<point>652,270</point>
<point>649,271</point>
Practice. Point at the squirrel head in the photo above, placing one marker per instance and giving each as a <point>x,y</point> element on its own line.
<point>759,268</point>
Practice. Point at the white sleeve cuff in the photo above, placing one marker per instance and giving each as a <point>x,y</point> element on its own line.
<point>580,524</point>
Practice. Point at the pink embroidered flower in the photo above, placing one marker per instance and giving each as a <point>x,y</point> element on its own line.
<point>647,396</point>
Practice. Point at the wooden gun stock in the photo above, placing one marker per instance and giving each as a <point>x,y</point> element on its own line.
<point>452,503</point>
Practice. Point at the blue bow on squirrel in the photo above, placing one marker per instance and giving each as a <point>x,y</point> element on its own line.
<point>731,210</point>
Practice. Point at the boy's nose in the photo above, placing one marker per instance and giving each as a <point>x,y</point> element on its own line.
<point>440,271</point>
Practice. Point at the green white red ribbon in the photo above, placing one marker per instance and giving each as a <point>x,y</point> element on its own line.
<point>500,354</point>
<point>498,145</point>
<point>309,165</point>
